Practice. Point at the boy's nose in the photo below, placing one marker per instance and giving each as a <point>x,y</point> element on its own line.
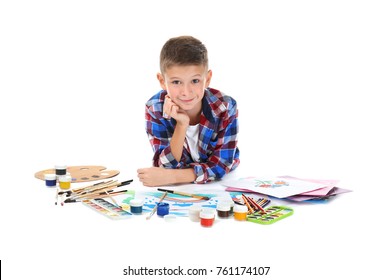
<point>186,90</point>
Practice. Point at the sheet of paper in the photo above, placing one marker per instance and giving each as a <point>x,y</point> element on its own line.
<point>277,187</point>
<point>319,192</point>
<point>320,181</point>
<point>302,197</point>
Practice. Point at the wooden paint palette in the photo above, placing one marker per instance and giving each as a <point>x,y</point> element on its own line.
<point>83,173</point>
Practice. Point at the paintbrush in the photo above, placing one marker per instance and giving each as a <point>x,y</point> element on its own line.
<point>112,199</point>
<point>76,190</point>
<point>184,194</point>
<point>100,188</point>
<point>55,203</point>
<point>68,200</point>
<point>155,208</point>
<point>101,185</point>
<point>105,195</point>
<point>83,190</point>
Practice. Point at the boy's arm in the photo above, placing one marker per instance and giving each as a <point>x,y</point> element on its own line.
<point>177,141</point>
<point>160,132</point>
<point>225,156</point>
<point>167,138</point>
<point>158,176</point>
<point>172,110</point>
<point>166,150</point>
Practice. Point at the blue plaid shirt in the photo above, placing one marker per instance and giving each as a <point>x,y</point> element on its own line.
<point>217,144</point>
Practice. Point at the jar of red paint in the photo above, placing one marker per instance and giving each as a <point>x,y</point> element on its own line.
<point>207,217</point>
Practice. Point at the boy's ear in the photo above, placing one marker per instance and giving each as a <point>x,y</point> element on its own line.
<point>208,78</point>
<point>161,81</point>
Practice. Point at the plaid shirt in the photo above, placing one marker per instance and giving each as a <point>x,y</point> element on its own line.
<point>217,144</point>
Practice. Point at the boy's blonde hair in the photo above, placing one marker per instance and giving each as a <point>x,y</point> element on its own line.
<point>183,50</point>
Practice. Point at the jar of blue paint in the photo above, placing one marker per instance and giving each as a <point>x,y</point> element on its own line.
<point>163,209</point>
<point>50,180</point>
<point>136,206</point>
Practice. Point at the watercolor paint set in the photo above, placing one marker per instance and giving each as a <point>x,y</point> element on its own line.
<point>107,209</point>
<point>272,215</point>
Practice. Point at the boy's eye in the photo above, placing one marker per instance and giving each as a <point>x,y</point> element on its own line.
<point>195,81</point>
<point>176,82</point>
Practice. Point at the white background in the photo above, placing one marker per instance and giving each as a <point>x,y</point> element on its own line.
<point>312,82</point>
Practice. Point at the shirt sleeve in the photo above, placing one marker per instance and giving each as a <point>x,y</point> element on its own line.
<point>159,132</point>
<point>225,156</point>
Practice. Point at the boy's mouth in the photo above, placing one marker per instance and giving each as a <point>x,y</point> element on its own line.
<point>186,100</point>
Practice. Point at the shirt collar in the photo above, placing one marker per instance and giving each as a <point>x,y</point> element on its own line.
<point>212,105</point>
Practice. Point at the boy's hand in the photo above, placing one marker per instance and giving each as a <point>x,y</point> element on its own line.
<point>159,176</point>
<point>154,176</point>
<point>172,110</point>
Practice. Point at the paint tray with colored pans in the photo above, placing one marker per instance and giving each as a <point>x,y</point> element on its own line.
<point>107,209</point>
<point>272,215</point>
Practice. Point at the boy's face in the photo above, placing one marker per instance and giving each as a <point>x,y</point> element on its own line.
<point>185,85</point>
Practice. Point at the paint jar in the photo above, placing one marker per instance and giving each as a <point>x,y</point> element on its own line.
<point>194,212</point>
<point>61,170</point>
<point>228,201</point>
<point>163,209</point>
<point>136,206</point>
<point>223,209</point>
<point>50,180</point>
<point>240,212</point>
<point>65,182</point>
<point>207,217</point>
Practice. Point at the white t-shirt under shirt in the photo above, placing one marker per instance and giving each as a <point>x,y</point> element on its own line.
<point>192,141</point>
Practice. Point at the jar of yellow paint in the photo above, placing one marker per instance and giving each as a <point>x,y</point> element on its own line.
<point>65,182</point>
<point>240,212</point>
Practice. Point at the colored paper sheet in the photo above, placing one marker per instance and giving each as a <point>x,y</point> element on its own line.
<point>301,197</point>
<point>277,187</point>
<point>328,189</point>
<point>319,192</point>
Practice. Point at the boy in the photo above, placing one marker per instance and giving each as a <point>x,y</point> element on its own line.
<point>192,128</point>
